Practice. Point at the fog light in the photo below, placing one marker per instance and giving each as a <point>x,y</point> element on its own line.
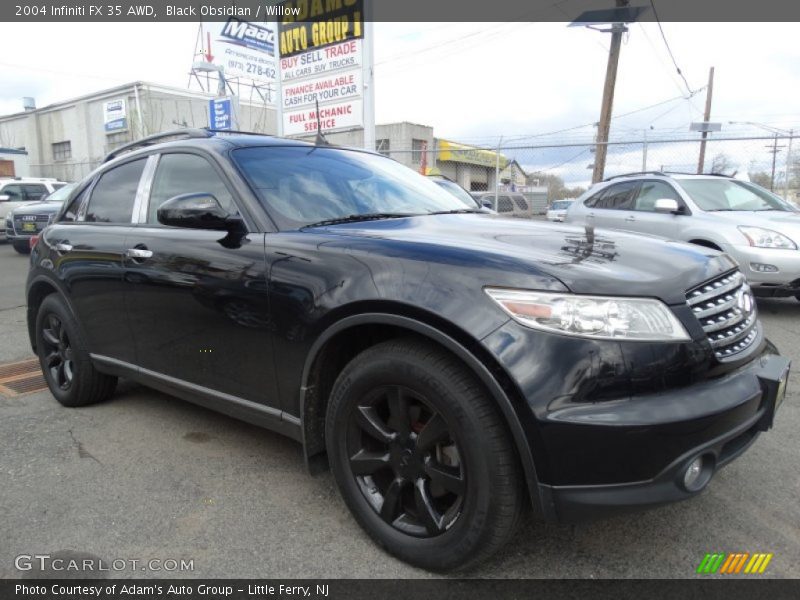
<point>763,268</point>
<point>698,473</point>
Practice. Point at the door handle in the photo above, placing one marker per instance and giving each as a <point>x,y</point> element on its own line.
<point>590,216</point>
<point>138,253</point>
<point>630,219</point>
<point>63,247</point>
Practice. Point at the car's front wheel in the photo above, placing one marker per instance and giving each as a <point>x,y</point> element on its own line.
<point>64,359</point>
<point>22,247</point>
<point>421,456</point>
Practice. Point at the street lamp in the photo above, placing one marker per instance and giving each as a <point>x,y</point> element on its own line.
<point>777,131</point>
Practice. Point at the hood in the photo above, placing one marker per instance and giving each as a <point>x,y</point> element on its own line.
<point>587,261</point>
<point>786,222</point>
<point>38,208</point>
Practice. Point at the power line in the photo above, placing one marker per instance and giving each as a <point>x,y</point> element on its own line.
<point>626,114</point>
<point>666,43</point>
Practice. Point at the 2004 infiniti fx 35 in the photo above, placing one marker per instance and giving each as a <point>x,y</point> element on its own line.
<point>454,367</point>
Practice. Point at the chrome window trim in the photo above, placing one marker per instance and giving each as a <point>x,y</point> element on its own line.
<point>142,200</point>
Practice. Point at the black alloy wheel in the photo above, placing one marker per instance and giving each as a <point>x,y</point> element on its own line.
<point>422,456</point>
<point>58,352</point>
<point>406,461</point>
<point>64,359</point>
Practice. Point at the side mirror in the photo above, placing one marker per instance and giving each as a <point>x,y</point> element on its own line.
<point>486,203</point>
<point>4,197</point>
<point>195,211</point>
<point>667,205</point>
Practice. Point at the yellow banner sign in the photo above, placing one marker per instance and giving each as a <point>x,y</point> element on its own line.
<point>450,151</point>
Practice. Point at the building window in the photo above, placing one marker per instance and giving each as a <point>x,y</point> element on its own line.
<point>62,150</point>
<point>417,148</point>
<point>382,146</point>
<point>115,140</point>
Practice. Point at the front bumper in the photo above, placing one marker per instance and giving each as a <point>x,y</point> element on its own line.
<point>716,420</point>
<point>783,278</point>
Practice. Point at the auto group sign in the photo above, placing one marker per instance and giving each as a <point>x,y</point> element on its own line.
<point>321,61</point>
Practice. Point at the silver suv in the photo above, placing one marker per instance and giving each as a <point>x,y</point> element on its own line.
<point>757,228</point>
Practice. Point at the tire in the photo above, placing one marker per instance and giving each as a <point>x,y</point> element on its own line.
<point>64,359</point>
<point>408,426</point>
<point>22,247</point>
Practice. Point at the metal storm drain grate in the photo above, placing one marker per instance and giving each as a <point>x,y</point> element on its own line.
<point>22,377</point>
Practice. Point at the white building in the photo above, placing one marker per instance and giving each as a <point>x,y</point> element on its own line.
<point>68,139</point>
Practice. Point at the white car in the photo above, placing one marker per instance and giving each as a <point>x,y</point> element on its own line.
<point>17,191</point>
<point>558,210</point>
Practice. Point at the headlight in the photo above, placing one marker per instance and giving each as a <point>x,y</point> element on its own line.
<point>598,317</point>
<point>766,238</point>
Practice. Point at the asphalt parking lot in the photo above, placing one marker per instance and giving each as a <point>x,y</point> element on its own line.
<point>146,476</point>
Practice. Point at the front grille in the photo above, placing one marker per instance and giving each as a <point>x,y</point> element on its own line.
<point>726,310</point>
<point>40,221</point>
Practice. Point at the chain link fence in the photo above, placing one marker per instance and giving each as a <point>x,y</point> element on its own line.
<point>563,169</point>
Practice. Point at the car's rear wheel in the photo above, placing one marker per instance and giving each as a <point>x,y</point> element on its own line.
<point>421,456</point>
<point>22,247</point>
<point>64,359</point>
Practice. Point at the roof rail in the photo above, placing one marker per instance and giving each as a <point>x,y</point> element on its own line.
<point>635,173</point>
<point>235,132</point>
<point>159,137</point>
<point>711,174</point>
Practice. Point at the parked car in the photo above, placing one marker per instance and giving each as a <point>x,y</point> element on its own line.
<point>757,228</point>
<point>30,218</point>
<point>453,367</point>
<point>17,191</point>
<point>558,210</point>
<point>451,186</point>
<point>510,204</point>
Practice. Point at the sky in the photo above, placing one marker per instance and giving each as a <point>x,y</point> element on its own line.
<point>473,82</point>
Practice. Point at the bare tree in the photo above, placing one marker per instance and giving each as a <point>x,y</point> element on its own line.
<point>721,163</point>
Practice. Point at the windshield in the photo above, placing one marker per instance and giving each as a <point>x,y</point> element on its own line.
<point>457,191</point>
<point>61,193</point>
<point>728,194</point>
<point>301,185</point>
<point>561,205</point>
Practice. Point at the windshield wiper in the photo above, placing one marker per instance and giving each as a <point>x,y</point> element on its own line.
<point>362,217</point>
<point>456,211</point>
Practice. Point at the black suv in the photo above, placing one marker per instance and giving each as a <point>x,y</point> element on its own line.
<point>453,367</point>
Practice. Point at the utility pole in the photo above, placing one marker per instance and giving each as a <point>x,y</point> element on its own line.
<point>788,165</point>
<point>617,29</point>
<point>644,152</point>
<point>774,149</point>
<point>709,93</point>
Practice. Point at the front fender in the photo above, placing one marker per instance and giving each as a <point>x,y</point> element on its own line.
<point>482,367</point>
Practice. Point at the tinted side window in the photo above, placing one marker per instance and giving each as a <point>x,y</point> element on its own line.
<point>113,196</point>
<point>34,191</point>
<point>14,192</point>
<point>504,204</point>
<point>71,212</point>
<point>617,197</point>
<point>650,191</point>
<point>186,174</point>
